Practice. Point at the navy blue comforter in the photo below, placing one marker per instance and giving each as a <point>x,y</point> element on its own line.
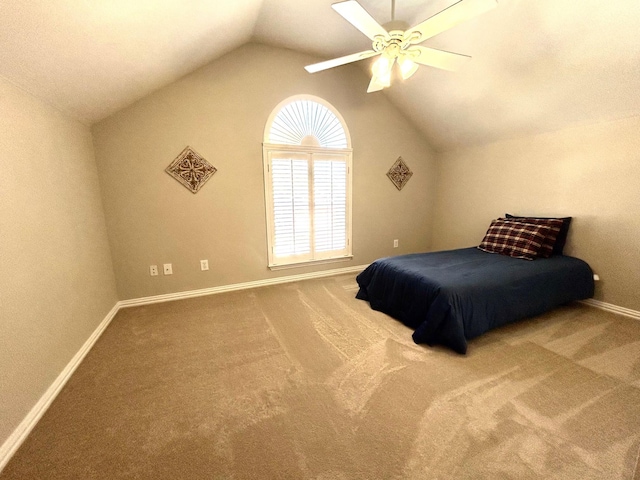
<point>453,296</point>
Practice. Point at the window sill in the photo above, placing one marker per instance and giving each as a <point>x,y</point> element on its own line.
<point>285,266</point>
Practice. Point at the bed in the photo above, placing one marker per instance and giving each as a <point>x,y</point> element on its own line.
<point>453,296</point>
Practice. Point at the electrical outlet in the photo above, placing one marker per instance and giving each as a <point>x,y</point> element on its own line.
<point>153,270</point>
<point>204,265</point>
<point>167,269</point>
<point>395,243</point>
<point>596,277</point>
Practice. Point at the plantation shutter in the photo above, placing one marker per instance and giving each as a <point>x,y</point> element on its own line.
<point>330,204</point>
<point>309,204</point>
<point>291,202</point>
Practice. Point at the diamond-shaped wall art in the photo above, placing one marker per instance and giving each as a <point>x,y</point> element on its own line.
<point>399,173</point>
<point>191,169</point>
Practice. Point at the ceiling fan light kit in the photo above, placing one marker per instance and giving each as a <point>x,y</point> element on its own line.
<point>407,67</point>
<point>397,44</point>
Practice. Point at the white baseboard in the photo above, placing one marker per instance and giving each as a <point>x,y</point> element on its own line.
<point>609,307</point>
<point>11,445</point>
<point>239,286</point>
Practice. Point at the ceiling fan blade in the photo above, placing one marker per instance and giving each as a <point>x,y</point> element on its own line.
<point>437,58</point>
<point>375,85</point>
<point>336,62</point>
<point>448,18</point>
<point>353,12</point>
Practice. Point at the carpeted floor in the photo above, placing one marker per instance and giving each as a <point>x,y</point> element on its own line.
<point>303,381</point>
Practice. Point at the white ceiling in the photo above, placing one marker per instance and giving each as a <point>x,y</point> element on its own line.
<point>538,65</point>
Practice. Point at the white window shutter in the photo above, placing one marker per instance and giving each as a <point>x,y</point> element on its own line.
<point>330,205</point>
<point>291,214</point>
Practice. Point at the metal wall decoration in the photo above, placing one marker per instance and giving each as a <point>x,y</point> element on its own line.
<point>399,173</point>
<point>191,169</point>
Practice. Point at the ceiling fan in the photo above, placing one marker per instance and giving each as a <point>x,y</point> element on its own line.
<point>397,43</point>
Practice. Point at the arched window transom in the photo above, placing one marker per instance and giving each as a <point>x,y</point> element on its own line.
<point>309,123</point>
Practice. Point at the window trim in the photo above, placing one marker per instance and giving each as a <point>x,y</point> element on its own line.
<point>268,150</point>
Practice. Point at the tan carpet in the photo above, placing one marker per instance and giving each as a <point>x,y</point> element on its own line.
<point>303,381</point>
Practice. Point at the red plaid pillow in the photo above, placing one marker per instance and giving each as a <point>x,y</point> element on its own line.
<point>554,225</point>
<point>516,239</point>
<point>562,236</point>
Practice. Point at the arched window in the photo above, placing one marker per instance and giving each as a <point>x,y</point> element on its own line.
<point>307,167</point>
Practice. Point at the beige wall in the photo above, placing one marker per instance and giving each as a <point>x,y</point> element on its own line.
<point>57,281</point>
<point>589,172</point>
<point>221,111</point>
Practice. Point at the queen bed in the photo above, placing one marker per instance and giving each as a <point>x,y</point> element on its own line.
<point>453,296</point>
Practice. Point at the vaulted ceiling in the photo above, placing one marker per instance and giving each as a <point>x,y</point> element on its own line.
<point>538,65</point>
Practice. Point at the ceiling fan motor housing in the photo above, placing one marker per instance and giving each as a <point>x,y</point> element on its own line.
<point>392,45</point>
<point>396,25</point>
